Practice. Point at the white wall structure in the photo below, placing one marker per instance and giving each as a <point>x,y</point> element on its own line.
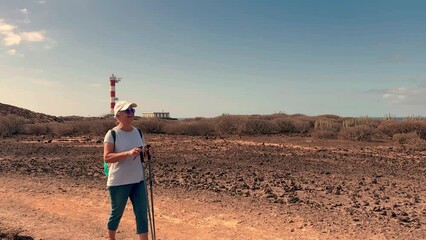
<point>156,115</point>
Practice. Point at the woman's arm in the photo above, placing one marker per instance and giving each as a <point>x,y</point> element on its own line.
<point>111,157</point>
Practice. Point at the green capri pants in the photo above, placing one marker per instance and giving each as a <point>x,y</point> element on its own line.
<point>138,197</point>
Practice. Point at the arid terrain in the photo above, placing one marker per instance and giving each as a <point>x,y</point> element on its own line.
<point>219,188</point>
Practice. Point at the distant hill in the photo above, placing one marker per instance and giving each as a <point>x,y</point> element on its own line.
<point>32,117</point>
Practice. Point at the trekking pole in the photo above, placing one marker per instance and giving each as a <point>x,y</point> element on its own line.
<point>149,213</point>
<point>147,202</point>
<point>150,188</point>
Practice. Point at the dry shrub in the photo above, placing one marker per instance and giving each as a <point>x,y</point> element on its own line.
<point>259,126</point>
<point>298,115</point>
<point>227,124</point>
<point>99,127</point>
<point>407,138</point>
<point>378,136</point>
<point>357,133</point>
<point>329,116</point>
<point>324,134</point>
<point>11,125</point>
<point>286,125</point>
<point>303,125</point>
<point>63,129</point>
<point>392,127</point>
<point>271,116</point>
<point>37,129</point>
<point>367,121</point>
<point>415,118</point>
<point>82,127</point>
<point>299,124</point>
<point>95,127</point>
<point>192,128</point>
<point>411,140</point>
<point>327,125</point>
<point>151,125</point>
<point>419,126</point>
<point>201,128</point>
<point>174,128</point>
<point>72,128</point>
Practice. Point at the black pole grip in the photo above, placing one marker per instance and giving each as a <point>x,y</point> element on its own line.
<point>148,146</point>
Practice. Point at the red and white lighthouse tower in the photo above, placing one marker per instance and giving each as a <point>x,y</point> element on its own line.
<point>113,80</point>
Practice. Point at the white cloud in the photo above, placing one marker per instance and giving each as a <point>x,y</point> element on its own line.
<point>9,36</point>
<point>11,39</point>
<point>13,52</point>
<point>24,11</point>
<point>404,95</point>
<point>5,27</point>
<point>42,2</point>
<point>33,36</point>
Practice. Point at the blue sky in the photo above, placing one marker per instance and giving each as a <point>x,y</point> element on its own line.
<point>205,58</point>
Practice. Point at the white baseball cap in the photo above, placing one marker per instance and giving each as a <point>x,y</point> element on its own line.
<point>123,105</point>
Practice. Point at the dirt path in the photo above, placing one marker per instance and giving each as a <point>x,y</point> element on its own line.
<point>44,208</point>
<point>213,188</point>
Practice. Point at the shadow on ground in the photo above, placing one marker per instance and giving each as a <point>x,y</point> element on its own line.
<point>14,236</point>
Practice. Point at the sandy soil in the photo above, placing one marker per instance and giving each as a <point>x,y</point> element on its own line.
<point>215,188</point>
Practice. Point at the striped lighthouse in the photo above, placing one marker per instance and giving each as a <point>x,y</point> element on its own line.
<point>112,81</point>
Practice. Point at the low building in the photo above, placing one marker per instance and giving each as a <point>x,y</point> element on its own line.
<point>156,115</point>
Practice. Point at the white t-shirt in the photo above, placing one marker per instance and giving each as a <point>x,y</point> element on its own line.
<point>130,170</point>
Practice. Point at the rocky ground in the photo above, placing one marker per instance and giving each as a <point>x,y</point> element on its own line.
<point>222,188</point>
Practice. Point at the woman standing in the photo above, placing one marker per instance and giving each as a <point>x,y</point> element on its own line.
<point>126,178</point>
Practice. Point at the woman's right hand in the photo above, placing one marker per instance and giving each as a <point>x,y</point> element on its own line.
<point>134,152</point>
